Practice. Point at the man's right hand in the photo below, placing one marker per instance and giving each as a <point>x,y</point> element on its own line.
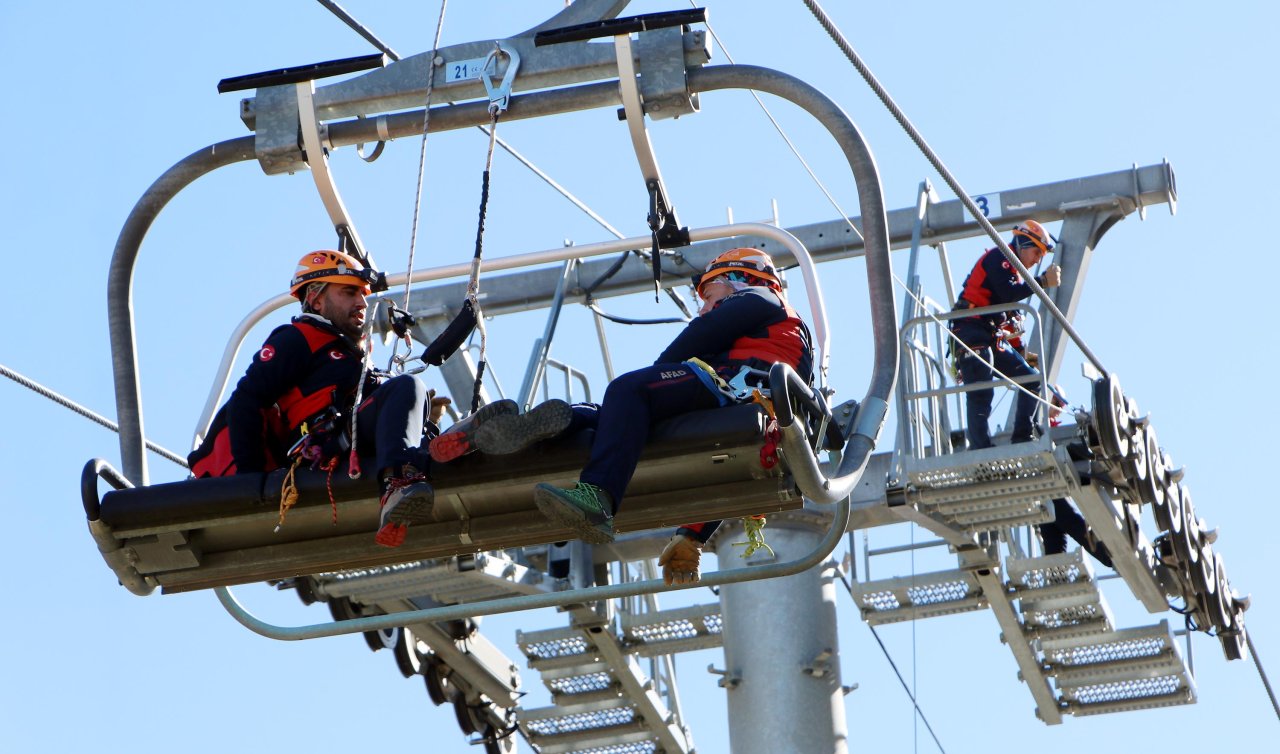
<point>680,560</point>
<point>1053,276</point>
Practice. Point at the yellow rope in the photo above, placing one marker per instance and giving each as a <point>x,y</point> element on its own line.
<point>288,492</point>
<point>754,528</point>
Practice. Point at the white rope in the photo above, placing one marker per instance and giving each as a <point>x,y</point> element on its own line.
<point>422,164</point>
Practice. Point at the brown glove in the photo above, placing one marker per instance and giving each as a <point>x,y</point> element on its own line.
<point>436,412</point>
<point>679,560</point>
<point>1033,358</point>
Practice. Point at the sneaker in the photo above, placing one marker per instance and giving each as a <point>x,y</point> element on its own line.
<point>585,509</point>
<point>406,499</point>
<point>459,439</point>
<point>512,433</point>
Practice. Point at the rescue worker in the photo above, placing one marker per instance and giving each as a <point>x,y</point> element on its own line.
<point>744,322</point>
<point>993,281</point>
<point>297,395</point>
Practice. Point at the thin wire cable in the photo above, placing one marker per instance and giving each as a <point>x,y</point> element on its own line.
<point>359,28</point>
<point>422,157</point>
<point>778,127</point>
<point>87,413</point>
<point>840,210</point>
<point>835,34</point>
<point>1257,663</point>
<point>901,680</point>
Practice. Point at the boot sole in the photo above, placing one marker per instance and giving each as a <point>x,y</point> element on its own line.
<point>565,514</point>
<point>504,435</point>
<point>457,443</point>
<point>412,509</point>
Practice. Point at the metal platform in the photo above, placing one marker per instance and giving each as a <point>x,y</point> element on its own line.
<point>983,490</point>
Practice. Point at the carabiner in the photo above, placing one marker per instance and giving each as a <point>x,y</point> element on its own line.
<point>499,97</point>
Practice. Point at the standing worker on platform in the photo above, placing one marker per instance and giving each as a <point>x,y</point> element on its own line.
<point>994,281</point>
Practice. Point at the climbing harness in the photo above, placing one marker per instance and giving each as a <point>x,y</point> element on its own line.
<point>320,446</point>
<point>736,390</point>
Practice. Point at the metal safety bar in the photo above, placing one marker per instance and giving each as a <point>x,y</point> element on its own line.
<point>562,254</point>
<point>872,411</point>
<point>906,396</point>
<point>534,601</point>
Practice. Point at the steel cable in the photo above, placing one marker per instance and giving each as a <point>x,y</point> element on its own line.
<point>87,413</point>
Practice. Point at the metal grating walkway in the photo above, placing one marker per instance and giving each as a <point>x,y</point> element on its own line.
<point>983,490</point>
<point>925,595</point>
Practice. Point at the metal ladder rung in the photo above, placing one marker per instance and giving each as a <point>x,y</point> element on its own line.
<point>1058,597</point>
<point>923,596</point>
<point>670,631</point>
<point>572,681</point>
<point>552,730</point>
<point>1130,669</point>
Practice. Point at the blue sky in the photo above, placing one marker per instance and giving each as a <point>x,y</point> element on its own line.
<point>99,99</point>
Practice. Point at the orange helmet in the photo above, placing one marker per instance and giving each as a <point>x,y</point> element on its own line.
<point>750,261</point>
<point>329,267</point>
<point>1035,234</point>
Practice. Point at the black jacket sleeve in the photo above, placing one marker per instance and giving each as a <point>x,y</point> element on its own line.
<point>713,333</point>
<point>278,366</point>
<point>1003,281</point>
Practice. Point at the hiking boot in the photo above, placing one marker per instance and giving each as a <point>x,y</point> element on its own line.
<point>585,509</point>
<point>512,433</point>
<point>460,438</point>
<point>406,499</point>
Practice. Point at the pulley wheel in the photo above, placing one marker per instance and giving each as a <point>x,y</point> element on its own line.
<point>1205,578</point>
<point>439,687</point>
<point>1110,415</point>
<point>1164,509</point>
<point>1152,488</point>
<point>1136,464</point>
<point>1176,498</point>
<point>1224,612</point>
<point>463,712</point>
<point>408,659</point>
<point>1184,546</point>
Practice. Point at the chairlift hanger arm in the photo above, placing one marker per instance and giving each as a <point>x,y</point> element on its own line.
<point>317,159</point>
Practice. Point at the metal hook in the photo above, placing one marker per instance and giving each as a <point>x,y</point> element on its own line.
<point>499,97</point>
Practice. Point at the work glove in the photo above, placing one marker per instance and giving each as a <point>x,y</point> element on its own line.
<point>436,405</point>
<point>679,560</point>
<point>1052,276</point>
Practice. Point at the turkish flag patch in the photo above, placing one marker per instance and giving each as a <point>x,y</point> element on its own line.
<point>266,353</point>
